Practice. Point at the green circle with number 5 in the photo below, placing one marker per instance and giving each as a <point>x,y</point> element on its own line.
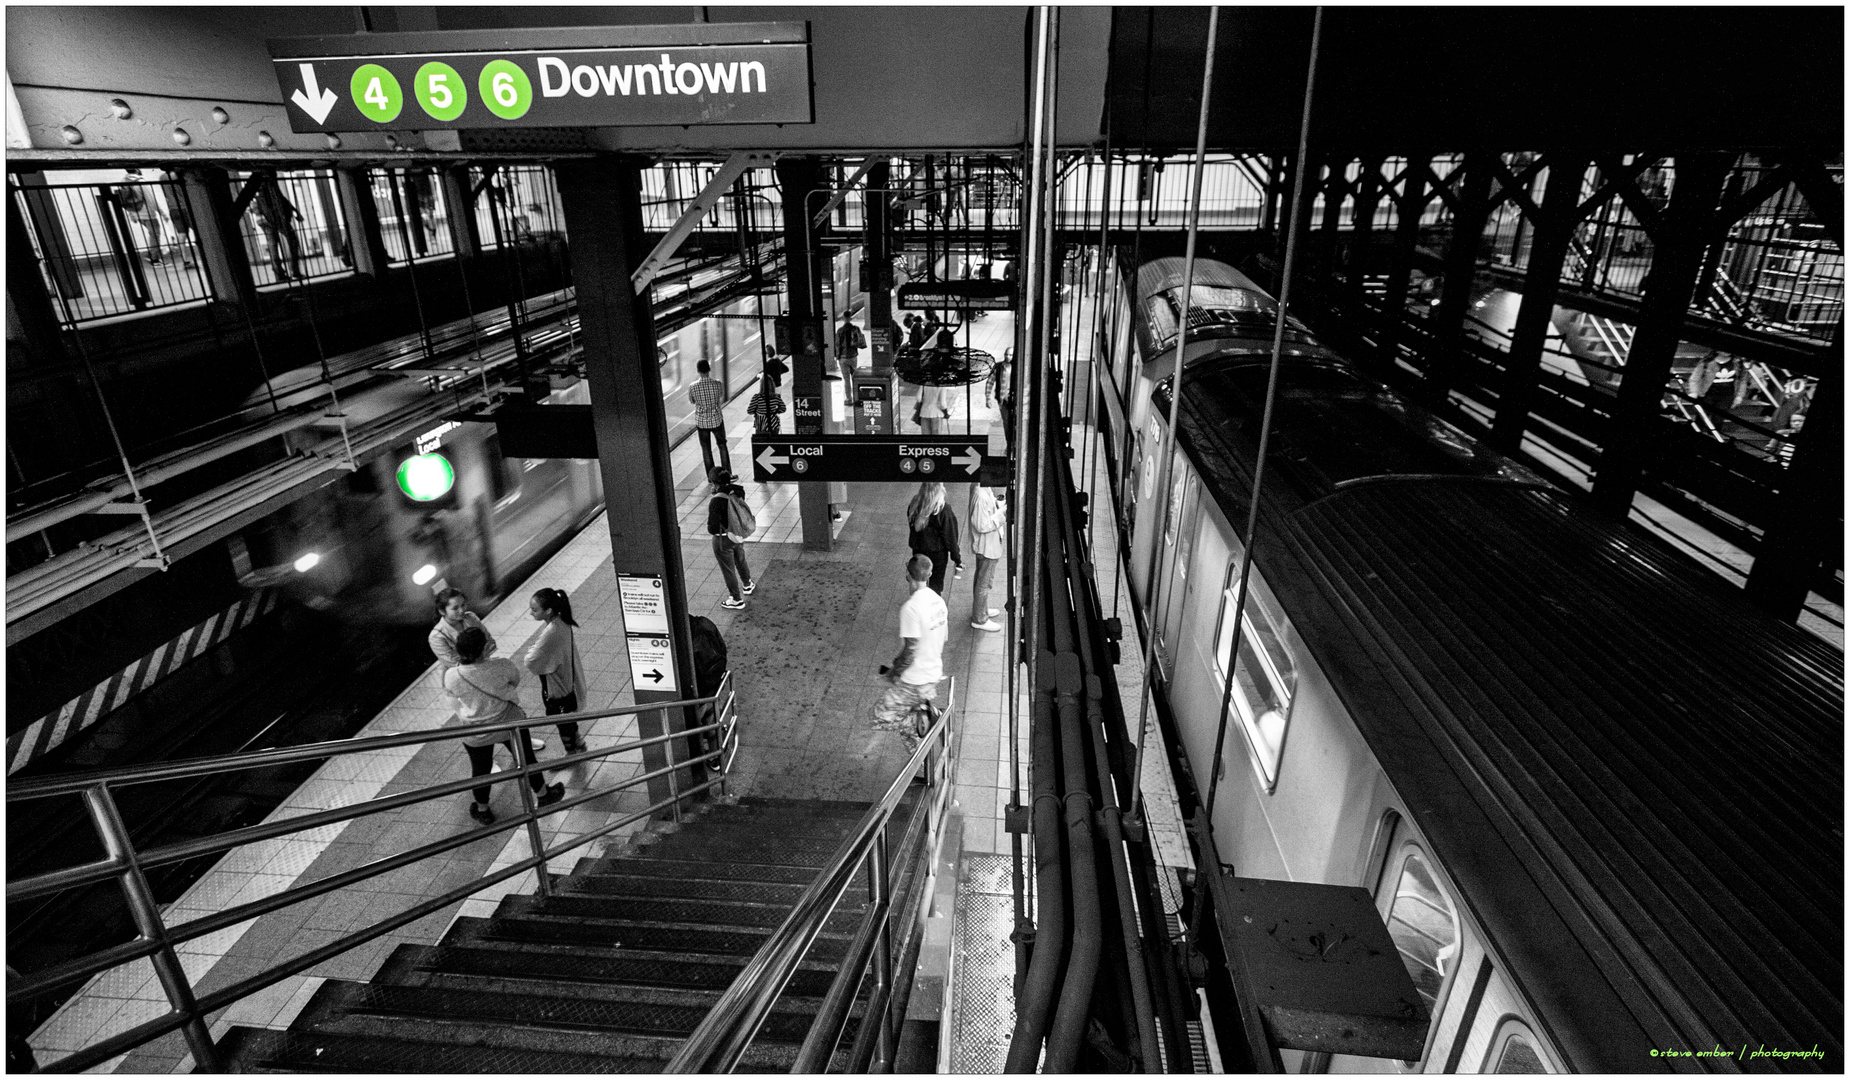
<point>506,90</point>
<point>441,91</point>
<point>376,93</point>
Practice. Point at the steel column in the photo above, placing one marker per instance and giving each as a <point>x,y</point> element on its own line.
<point>797,177</point>
<point>1686,229</point>
<point>1806,526</point>
<point>1559,213</point>
<point>602,201</point>
<point>364,237</point>
<point>215,224</point>
<point>1410,206</point>
<point>1448,323</point>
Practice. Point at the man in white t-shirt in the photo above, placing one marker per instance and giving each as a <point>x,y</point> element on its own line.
<point>924,623</point>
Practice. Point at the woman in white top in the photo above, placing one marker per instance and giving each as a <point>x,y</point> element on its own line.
<point>453,617</point>
<point>485,689</point>
<point>553,657</point>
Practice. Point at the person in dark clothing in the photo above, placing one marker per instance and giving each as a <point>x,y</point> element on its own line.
<point>728,549</point>
<point>934,532</point>
<point>709,671</point>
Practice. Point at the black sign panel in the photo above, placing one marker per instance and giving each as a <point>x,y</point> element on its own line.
<point>869,458</point>
<point>973,295</point>
<point>740,73</point>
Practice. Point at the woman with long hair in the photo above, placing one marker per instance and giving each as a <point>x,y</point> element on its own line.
<point>554,658</point>
<point>487,690</point>
<point>453,617</point>
<point>934,531</point>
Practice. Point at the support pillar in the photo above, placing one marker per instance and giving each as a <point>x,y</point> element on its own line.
<point>464,236</point>
<point>1448,323</point>
<point>208,192</point>
<point>602,201</point>
<point>1685,231</point>
<point>796,178</point>
<point>29,305</point>
<point>1807,521</point>
<point>1559,213</point>
<point>878,213</point>
<point>364,237</point>
<point>1410,206</point>
<point>1361,238</point>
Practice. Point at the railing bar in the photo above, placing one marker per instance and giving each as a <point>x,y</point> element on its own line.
<point>68,878</point>
<point>71,784</point>
<point>91,1056</point>
<point>27,987</point>
<point>832,1015</point>
<point>865,1040</point>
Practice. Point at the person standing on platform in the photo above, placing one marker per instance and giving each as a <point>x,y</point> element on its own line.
<point>728,543</point>
<point>1000,389</point>
<point>934,532</point>
<point>924,623</point>
<point>453,617</point>
<point>553,658</point>
<point>986,531</point>
<point>709,397</point>
<point>765,406</point>
<point>849,341</point>
<point>486,689</point>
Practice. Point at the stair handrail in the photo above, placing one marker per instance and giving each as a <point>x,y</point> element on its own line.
<point>155,940</point>
<point>721,1038</point>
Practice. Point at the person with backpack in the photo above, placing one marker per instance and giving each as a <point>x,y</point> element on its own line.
<point>849,341</point>
<point>553,658</point>
<point>729,522</point>
<point>934,532</point>
<point>486,689</point>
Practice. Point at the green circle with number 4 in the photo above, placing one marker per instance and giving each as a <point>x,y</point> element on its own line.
<point>441,91</point>
<point>506,90</point>
<point>376,94</point>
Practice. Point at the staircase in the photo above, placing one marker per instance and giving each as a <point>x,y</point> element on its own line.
<point>611,973</point>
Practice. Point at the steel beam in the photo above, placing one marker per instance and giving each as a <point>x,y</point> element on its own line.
<point>708,198</point>
<point>1552,231</point>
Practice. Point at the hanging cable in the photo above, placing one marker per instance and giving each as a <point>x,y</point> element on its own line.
<point>1167,454</point>
<point>1143,163</point>
<point>1265,421</point>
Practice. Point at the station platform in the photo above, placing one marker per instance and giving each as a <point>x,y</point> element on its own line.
<point>804,654</point>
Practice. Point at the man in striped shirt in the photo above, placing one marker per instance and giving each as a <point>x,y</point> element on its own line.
<point>708,397</point>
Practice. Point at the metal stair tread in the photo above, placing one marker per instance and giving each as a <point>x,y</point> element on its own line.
<point>696,870</point>
<point>567,965</point>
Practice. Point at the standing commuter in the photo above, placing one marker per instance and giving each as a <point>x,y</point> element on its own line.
<point>932,411</point>
<point>709,397</point>
<point>453,617</point>
<point>277,216</point>
<point>553,657</point>
<point>486,688</point>
<point>934,532</point>
<point>924,623</point>
<point>849,341</point>
<point>728,545</point>
<point>986,525</point>
<point>765,406</point>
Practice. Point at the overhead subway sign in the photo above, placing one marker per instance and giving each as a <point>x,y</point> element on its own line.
<point>744,73</point>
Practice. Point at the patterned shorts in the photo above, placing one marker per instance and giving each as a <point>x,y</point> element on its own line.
<point>894,711</point>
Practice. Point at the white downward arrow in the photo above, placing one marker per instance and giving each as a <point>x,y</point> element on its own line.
<point>971,460</point>
<point>770,460</point>
<point>317,102</point>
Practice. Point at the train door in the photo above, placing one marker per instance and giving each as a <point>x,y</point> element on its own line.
<point>1140,508</point>
<point>1423,919</point>
<point>1179,525</point>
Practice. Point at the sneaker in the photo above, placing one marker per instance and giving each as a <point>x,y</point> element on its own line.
<point>732,605</point>
<point>994,611</point>
<point>750,587</point>
<point>481,813</point>
<point>992,625</point>
<point>552,795</point>
<point>575,746</point>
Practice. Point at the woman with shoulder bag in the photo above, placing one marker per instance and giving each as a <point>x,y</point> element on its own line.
<point>934,531</point>
<point>553,658</point>
<point>485,688</point>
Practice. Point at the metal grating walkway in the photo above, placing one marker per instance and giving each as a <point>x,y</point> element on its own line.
<point>982,966</point>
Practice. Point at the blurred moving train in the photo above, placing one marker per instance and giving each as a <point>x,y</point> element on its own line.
<point>1598,798</point>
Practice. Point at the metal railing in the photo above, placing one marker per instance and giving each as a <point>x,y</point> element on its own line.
<point>293,227</point>
<point>155,939</point>
<point>723,1037</point>
<point>112,249</point>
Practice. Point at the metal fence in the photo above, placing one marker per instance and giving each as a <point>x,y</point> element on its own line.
<point>293,227</point>
<point>414,215</point>
<point>515,203</point>
<point>113,247</point>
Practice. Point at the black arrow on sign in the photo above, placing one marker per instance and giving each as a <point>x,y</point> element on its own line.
<point>652,674</point>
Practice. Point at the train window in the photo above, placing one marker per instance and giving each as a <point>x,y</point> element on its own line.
<point>1515,1049</point>
<point>1265,677</point>
<point>1162,317</point>
<point>1424,927</point>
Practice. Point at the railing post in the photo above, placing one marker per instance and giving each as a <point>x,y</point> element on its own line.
<point>883,954</point>
<point>521,739</point>
<point>674,781</point>
<point>148,924</point>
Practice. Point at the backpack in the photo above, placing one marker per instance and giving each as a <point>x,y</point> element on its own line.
<point>739,519</point>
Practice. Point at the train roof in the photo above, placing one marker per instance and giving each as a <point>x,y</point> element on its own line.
<point>1161,275</point>
<point>1223,305</point>
<point>1635,780</point>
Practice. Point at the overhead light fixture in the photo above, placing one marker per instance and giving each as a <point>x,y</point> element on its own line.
<point>306,563</point>
<point>424,575</point>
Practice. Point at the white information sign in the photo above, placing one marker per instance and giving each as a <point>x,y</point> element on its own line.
<point>652,664</point>
<point>645,606</point>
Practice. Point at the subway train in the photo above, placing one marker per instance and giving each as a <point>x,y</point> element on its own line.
<point>1599,800</point>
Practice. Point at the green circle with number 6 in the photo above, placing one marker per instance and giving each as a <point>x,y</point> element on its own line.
<point>506,90</point>
<point>441,91</point>
<point>376,94</point>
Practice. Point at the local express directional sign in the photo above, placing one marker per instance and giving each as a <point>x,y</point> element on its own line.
<point>699,73</point>
<point>867,458</point>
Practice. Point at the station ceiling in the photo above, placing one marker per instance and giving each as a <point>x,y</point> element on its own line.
<point>1396,79</point>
